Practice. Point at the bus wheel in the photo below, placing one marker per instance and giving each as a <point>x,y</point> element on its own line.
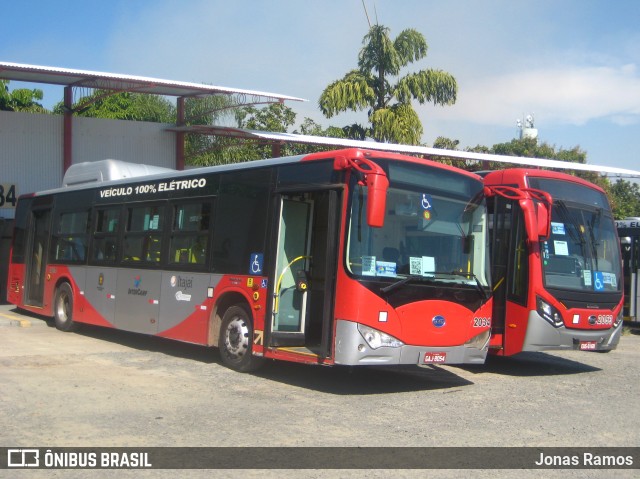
<point>236,340</point>
<point>63,308</point>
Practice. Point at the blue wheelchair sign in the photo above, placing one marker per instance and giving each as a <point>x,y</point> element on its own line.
<point>598,281</point>
<point>255,265</point>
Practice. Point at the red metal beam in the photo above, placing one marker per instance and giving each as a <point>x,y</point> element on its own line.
<point>180,135</point>
<point>67,144</point>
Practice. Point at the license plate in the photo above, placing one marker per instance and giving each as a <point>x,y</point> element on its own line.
<point>430,358</point>
<point>587,345</point>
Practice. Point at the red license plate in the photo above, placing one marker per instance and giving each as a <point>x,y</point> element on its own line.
<point>435,358</point>
<point>588,345</point>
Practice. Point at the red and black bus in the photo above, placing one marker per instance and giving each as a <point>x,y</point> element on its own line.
<point>349,257</point>
<point>564,288</point>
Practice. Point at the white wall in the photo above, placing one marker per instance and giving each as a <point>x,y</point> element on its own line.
<point>31,147</point>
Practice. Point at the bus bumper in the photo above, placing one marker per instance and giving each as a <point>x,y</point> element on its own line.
<point>543,336</point>
<point>352,350</point>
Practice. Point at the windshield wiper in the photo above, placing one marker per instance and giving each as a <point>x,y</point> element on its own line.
<point>594,225</point>
<point>431,276</point>
<point>575,233</point>
<point>479,287</point>
<point>397,284</point>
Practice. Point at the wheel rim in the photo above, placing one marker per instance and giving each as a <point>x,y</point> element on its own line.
<point>236,339</point>
<point>62,309</point>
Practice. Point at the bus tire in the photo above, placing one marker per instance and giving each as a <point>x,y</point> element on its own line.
<point>236,340</point>
<point>63,308</point>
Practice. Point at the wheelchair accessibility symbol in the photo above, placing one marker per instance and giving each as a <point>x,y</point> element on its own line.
<point>426,201</point>
<point>598,281</point>
<point>255,266</point>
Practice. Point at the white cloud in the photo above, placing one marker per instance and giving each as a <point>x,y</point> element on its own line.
<point>564,95</point>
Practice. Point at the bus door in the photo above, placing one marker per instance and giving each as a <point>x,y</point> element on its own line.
<point>39,230</point>
<point>630,248</point>
<point>304,271</point>
<point>510,275</point>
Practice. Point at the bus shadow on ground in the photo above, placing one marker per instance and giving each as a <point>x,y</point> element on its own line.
<point>531,364</point>
<point>144,342</point>
<point>362,380</point>
<point>340,380</point>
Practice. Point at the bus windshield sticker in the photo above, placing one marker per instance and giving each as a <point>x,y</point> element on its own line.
<point>255,265</point>
<point>368,266</point>
<point>557,228</point>
<point>587,277</point>
<point>598,281</point>
<point>427,201</point>
<point>422,266</point>
<point>560,248</point>
<point>386,268</point>
<point>609,278</point>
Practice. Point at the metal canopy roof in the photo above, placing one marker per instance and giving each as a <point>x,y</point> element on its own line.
<point>114,81</point>
<point>410,149</point>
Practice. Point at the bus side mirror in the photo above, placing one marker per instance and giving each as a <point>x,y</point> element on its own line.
<point>537,219</point>
<point>377,186</point>
<point>544,221</point>
<point>376,181</point>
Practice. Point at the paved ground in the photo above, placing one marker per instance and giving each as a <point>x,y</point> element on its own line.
<point>106,388</point>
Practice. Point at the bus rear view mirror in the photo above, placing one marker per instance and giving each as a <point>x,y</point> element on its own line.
<point>377,186</point>
<point>376,181</point>
<point>544,221</point>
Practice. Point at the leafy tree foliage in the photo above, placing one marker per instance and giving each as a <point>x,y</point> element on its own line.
<point>277,118</point>
<point>625,199</point>
<point>124,106</point>
<point>371,86</point>
<point>623,195</point>
<point>21,99</point>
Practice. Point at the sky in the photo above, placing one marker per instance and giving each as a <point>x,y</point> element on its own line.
<point>573,65</point>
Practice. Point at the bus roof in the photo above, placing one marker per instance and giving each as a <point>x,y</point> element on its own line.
<point>519,175</point>
<point>115,172</point>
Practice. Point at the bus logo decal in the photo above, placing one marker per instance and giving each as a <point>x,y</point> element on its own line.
<point>180,296</point>
<point>136,291</point>
<point>438,321</point>
<point>181,282</point>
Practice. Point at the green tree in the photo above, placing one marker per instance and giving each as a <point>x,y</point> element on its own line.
<point>376,85</point>
<point>625,199</point>
<point>21,99</point>
<point>124,106</point>
<point>623,195</point>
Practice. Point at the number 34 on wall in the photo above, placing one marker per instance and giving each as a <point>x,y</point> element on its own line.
<point>8,195</point>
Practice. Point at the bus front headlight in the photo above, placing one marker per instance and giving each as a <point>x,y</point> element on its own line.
<point>549,313</point>
<point>619,319</point>
<point>377,339</point>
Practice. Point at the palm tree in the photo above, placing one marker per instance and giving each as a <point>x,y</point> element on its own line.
<point>390,114</point>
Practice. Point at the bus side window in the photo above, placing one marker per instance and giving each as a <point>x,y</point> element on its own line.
<point>143,234</point>
<point>190,233</point>
<point>70,238</point>
<point>105,235</point>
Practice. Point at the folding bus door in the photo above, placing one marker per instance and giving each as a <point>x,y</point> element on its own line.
<point>304,273</point>
<point>37,255</point>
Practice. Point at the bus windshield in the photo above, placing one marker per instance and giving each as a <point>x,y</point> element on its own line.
<point>434,229</point>
<point>582,253</point>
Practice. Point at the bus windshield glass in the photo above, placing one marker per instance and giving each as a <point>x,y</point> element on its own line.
<point>434,229</point>
<point>582,252</point>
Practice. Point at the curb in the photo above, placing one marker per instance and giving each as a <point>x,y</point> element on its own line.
<point>14,320</point>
